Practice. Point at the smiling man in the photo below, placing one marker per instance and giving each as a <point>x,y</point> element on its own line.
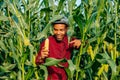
<point>59,32</point>
<point>59,48</point>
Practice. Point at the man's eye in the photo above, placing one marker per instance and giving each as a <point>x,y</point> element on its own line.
<point>55,29</point>
<point>61,30</point>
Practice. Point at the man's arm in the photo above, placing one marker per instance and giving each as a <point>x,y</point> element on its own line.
<point>42,54</point>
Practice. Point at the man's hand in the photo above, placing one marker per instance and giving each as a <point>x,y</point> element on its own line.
<point>44,53</point>
<point>76,43</point>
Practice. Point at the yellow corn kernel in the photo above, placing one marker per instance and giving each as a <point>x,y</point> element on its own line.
<point>110,47</point>
<point>89,49</point>
<point>26,42</point>
<point>90,52</point>
<point>105,45</point>
<point>33,60</point>
<point>100,70</point>
<point>106,66</point>
<point>47,44</point>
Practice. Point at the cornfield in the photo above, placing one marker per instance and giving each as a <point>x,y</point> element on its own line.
<point>25,23</point>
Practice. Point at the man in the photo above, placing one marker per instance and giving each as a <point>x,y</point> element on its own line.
<point>59,48</point>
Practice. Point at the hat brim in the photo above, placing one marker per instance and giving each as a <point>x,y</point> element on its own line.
<point>60,22</point>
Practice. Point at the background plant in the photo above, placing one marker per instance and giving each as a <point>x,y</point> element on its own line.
<point>24,24</point>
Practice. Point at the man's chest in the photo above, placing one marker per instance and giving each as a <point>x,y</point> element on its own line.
<point>58,50</point>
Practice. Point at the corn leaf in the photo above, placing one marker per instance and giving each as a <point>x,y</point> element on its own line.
<point>70,70</point>
<point>53,61</point>
<point>107,60</point>
<point>44,68</point>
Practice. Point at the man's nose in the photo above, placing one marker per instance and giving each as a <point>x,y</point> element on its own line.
<point>58,32</point>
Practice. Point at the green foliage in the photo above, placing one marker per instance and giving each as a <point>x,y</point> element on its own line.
<point>24,23</point>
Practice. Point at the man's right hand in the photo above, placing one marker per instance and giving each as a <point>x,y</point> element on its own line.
<point>44,53</point>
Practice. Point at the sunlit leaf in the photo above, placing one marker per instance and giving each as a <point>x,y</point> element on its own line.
<point>3,18</point>
<point>53,61</point>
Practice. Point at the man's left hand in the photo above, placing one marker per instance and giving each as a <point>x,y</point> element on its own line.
<point>76,43</point>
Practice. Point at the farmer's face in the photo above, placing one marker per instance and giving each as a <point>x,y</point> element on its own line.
<point>59,31</point>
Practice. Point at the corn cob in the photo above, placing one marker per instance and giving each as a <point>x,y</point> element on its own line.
<point>46,44</point>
